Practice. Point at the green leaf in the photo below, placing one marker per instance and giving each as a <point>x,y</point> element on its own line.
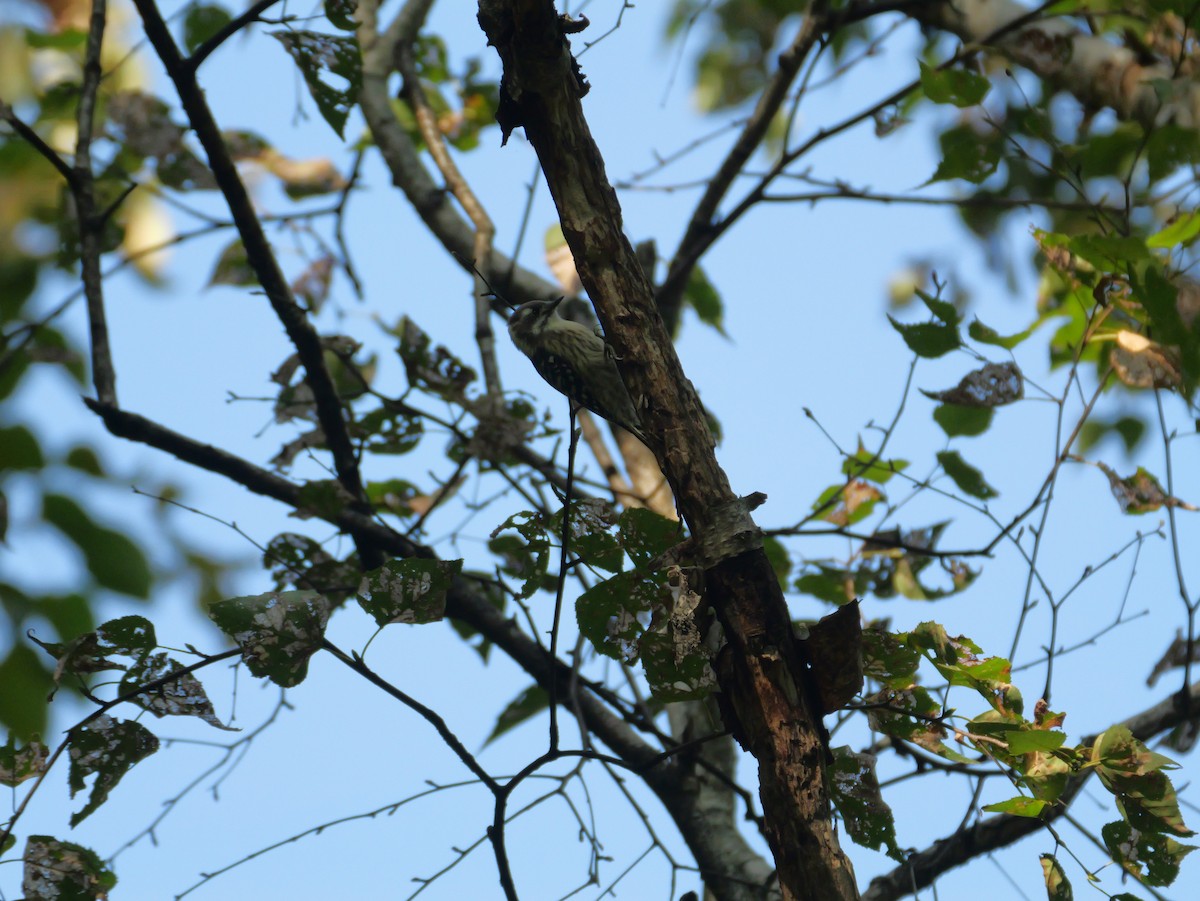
<point>1169,147</point>
<point>1019,806</point>
<point>888,659</point>
<point>233,267</point>
<point>114,560</point>
<point>1028,741</point>
<point>1159,296</point>
<point>201,21</point>
<point>388,431</point>
<point>18,764</point>
<point>317,55</point>
<point>1134,774</point>
<point>130,635</point>
<point>67,39</point>
<point>526,555</point>
<point>1129,429</point>
<point>528,704</point>
<point>340,14</point>
<point>957,420</point>
<point>928,339</point>
<point>942,309</point>
<point>1139,493</point>
<point>673,651</point>
<point>1109,252</point>
<point>408,591</point>
<point>85,460</point>
<point>590,534</point>
<point>829,584</point>
<point>1057,886</point>
<point>702,297</point>
<point>1150,857</point>
<point>855,793</point>
<point>966,155</point>
<point>645,534</point>
<point>277,631</point>
<point>960,87</point>
<point>610,612</point>
<point>865,464</point>
<point>108,749</point>
<point>968,479</point>
<point>777,556</point>
<point>182,696</point>
<point>19,449</point>
<point>64,871</point>
<point>1180,232</point>
<point>986,335</point>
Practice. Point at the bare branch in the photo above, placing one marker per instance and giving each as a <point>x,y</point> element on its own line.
<point>261,258</point>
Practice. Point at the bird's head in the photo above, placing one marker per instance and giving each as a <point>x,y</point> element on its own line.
<point>529,320</point>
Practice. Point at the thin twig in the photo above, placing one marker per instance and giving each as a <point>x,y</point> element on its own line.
<point>231,28</point>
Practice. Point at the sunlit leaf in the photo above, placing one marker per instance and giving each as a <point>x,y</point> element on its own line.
<point>1020,806</point>
<point>1057,886</point>
<point>1179,232</point>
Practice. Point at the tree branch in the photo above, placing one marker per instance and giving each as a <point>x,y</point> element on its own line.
<point>250,16</point>
<point>1097,71</point>
<point>670,293</point>
<point>430,201</point>
<point>90,224</point>
<point>485,231</point>
<point>770,701</point>
<point>923,867</point>
<point>261,258</point>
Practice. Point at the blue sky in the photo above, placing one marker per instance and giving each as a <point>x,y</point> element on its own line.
<point>805,290</point>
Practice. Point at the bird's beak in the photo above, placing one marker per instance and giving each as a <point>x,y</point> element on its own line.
<point>554,303</point>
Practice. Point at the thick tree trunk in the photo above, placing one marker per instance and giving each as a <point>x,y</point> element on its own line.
<point>764,682</point>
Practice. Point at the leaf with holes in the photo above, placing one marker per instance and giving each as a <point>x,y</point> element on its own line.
<point>108,749</point>
<point>854,789</point>
<point>318,56</point>
<point>63,871</point>
<point>18,764</point>
<point>182,696</point>
<point>408,591</point>
<point>277,631</point>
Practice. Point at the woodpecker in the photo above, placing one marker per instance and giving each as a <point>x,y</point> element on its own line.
<point>574,361</point>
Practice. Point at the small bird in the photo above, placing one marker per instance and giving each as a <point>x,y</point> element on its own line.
<point>574,361</point>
